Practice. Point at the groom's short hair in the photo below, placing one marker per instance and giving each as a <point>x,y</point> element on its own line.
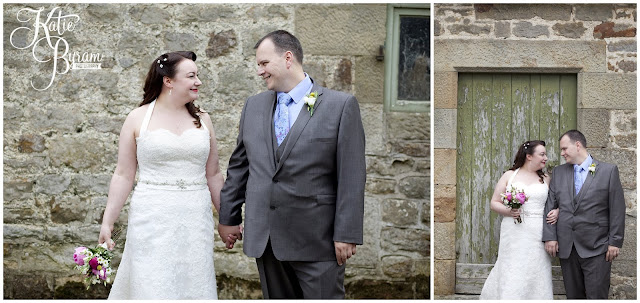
<point>575,135</point>
<point>284,41</point>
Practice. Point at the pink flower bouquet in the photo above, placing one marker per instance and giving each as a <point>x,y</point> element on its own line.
<point>514,198</point>
<point>94,264</point>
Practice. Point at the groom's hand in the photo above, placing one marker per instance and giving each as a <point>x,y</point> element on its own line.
<point>344,251</point>
<point>612,253</point>
<point>551,247</point>
<point>229,234</point>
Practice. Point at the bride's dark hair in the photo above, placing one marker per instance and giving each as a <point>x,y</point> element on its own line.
<point>166,65</point>
<point>525,149</point>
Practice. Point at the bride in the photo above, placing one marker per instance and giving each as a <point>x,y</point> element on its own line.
<point>523,268</point>
<point>169,249</point>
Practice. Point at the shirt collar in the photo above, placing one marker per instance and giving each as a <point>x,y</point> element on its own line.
<point>303,88</point>
<point>585,164</point>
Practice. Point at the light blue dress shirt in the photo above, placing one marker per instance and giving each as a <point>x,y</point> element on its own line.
<point>583,174</point>
<point>297,94</point>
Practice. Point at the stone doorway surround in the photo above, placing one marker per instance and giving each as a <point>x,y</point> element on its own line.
<point>597,92</point>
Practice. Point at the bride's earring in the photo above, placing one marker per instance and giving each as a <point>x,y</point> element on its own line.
<point>170,92</point>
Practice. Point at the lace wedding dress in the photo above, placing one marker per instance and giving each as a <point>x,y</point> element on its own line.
<point>169,249</point>
<point>523,268</point>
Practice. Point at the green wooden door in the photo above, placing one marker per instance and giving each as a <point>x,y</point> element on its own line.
<point>496,113</point>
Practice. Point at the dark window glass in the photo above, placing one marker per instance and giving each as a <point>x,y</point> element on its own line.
<point>413,69</point>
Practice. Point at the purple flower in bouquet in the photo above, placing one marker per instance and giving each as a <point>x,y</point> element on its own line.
<point>94,263</point>
<point>79,256</point>
<point>508,196</point>
<point>521,197</point>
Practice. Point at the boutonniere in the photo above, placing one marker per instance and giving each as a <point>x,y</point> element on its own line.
<point>310,101</point>
<point>592,169</point>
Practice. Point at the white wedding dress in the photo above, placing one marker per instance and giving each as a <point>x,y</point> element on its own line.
<point>169,247</point>
<point>523,268</point>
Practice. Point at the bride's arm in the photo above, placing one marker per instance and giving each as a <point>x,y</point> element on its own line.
<point>123,176</point>
<point>496,200</point>
<point>214,175</point>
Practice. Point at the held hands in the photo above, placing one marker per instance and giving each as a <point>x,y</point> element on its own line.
<point>105,236</point>
<point>344,251</point>
<point>230,234</point>
<point>551,247</point>
<point>552,216</point>
<point>612,253</point>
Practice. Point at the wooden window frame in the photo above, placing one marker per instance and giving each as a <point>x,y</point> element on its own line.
<point>391,102</point>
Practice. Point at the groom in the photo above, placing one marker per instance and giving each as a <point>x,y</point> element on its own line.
<point>299,168</point>
<point>590,227</point>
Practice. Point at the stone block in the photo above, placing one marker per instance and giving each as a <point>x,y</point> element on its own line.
<point>613,30</point>
<point>231,287</point>
<point>190,13</point>
<point>569,30</point>
<point>426,212</point>
<point>92,183</point>
<point>607,91</point>
<point>29,143</point>
<point>503,29</point>
<point>630,46</point>
<point>594,12</point>
<point>623,288</point>
<point>412,148</point>
<point>397,266</point>
<point>105,13</point>
<point>394,239</point>
<point>260,13</point>
<point>408,126</point>
<point>179,41</point>
<point>445,166</point>
<point>445,124</point>
<point>400,212</point>
<point>68,209</point>
<point>76,153</point>
<point>52,184</point>
<point>390,166</point>
<point>437,28</point>
<point>623,128</point>
<point>151,14</point>
<point>17,189</point>
<point>54,117</point>
<point>624,159</point>
<point>445,92</point>
<point>523,11</point>
<point>594,124</point>
<point>374,130</point>
<point>20,233</point>
<point>27,286</point>
<point>455,9</point>
<point>338,23</point>
<point>444,277</point>
<point>444,203</point>
<point>631,201</point>
<point>378,289</point>
<point>456,54</point>
<point>414,187</point>
<point>221,43</point>
<point>107,123</point>
<point>342,76</point>
<point>528,30</point>
<point>380,185</point>
<point>627,66</point>
<point>77,290</point>
<point>444,241</point>
<point>369,80</point>
<point>473,29</point>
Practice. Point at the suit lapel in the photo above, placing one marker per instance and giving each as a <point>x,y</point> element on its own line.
<point>298,126</point>
<point>268,127</point>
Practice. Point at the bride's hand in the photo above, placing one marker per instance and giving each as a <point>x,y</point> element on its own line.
<point>105,236</point>
<point>515,213</point>
<point>552,216</point>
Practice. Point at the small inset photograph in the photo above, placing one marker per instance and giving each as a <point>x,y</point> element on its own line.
<point>535,131</point>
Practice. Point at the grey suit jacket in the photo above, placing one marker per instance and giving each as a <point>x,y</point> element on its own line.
<point>314,194</point>
<point>594,220</point>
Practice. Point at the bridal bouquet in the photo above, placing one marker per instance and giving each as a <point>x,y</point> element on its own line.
<point>514,198</point>
<point>95,263</point>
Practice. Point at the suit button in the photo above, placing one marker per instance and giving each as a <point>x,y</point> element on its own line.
<point>275,181</point>
<point>272,207</point>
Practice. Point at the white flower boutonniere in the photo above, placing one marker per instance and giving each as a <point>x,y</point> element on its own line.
<point>592,169</point>
<point>310,101</point>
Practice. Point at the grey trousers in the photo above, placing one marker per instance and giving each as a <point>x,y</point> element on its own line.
<point>586,278</point>
<point>299,280</point>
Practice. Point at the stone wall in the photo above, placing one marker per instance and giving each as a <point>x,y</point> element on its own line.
<point>596,41</point>
<point>60,144</point>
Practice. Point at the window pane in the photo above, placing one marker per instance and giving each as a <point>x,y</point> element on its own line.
<point>413,69</point>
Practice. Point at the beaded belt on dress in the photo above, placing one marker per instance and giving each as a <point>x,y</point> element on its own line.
<point>179,184</point>
<point>533,213</point>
